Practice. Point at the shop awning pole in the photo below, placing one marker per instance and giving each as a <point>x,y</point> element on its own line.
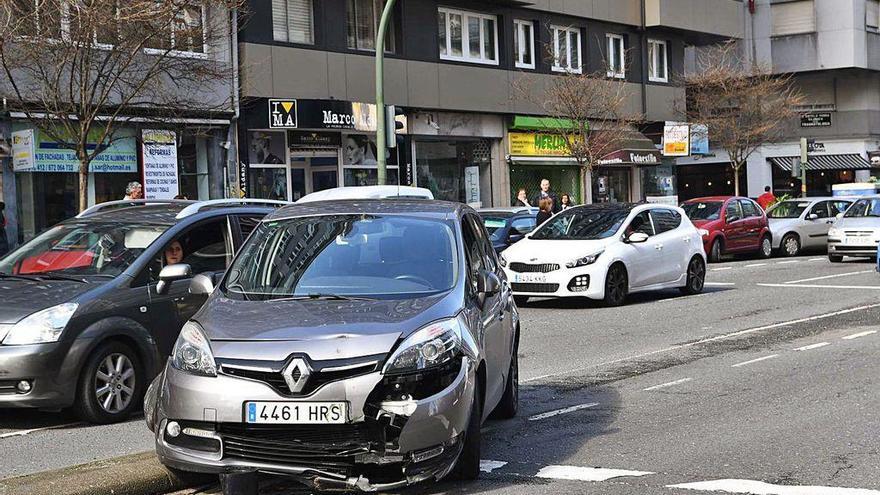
<point>381,141</point>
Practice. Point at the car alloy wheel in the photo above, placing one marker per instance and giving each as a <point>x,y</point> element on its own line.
<point>715,251</point>
<point>791,246</point>
<point>616,285</point>
<point>766,247</point>
<point>696,276</point>
<point>115,381</point>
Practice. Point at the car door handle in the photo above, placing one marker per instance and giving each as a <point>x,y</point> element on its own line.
<point>686,239</point>
<point>658,247</point>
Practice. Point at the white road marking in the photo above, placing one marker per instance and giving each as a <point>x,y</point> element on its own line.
<point>722,269</point>
<point>816,286</point>
<point>817,259</point>
<point>857,335</point>
<point>787,262</point>
<point>586,473</point>
<point>564,410</point>
<point>667,384</point>
<point>813,346</point>
<point>746,363</point>
<point>718,284</point>
<point>761,488</point>
<point>754,265</point>
<point>21,433</point>
<point>829,276</point>
<point>705,340</point>
<point>489,466</point>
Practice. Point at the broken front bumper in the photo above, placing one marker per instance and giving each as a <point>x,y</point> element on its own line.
<point>387,443</point>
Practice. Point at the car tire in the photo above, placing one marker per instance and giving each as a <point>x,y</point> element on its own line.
<point>467,466</point>
<point>616,285</point>
<point>696,277</point>
<point>835,258</point>
<point>766,249</point>
<point>509,404</point>
<point>111,385</point>
<point>521,300</point>
<point>715,250</point>
<point>790,245</point>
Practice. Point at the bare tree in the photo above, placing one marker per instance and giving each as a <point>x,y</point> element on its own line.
<point>744,105</point>
<point>80,70</point>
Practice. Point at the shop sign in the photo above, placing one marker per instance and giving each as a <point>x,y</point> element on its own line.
<point>814,146</point>
<point>314,139</point>
<point>161,179</point>
<point>676,139</point>
<point>699,139</point>
<point>120,156</point>
<point>874,158</point>
<point>821,119</point>
<point>631,157</point>
<point>322,114</point>
<point>282,114</point>
<point>23,150</point>
<point>663,200</point>
<point>472,187</point>
<point>537,144</point>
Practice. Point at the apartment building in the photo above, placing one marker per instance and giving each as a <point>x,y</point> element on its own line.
<point>308,119</point>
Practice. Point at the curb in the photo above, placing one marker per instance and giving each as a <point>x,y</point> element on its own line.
<point>138,474</point>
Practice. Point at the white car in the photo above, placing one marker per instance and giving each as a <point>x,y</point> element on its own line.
<point>607,251</point>
<point>368,192</point>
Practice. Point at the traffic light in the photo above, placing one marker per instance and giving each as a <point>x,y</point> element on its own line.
<point>395,120</point>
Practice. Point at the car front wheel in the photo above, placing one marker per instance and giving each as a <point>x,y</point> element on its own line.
<point>616,285</point>
<point>834,258</point>
<point>111,385</point>
<point>467,467</point>
<point>509,405</point>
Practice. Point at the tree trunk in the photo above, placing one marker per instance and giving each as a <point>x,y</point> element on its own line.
<point>83,182</point>
<point>736,180</point>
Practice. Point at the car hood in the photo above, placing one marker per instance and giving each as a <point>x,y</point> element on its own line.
<point>857,223</point>
<point>329,329</point>
<point>20,298</point>
<point>554,251</point>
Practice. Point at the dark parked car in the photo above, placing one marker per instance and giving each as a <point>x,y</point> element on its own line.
<point>84,319</point>
<point>506,226</point>
<point>730,225</point>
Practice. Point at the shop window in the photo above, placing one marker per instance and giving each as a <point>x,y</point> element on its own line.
<point>467,36</point>
<point>363,22</point>
<point>564,179</point>
<point>657,61</point>
<point>292,21</point>
<point>368,176</point>
<point>659,182</point>
<point>566,49</point>
<point>455,170</point>
<point>192,158</point>
<point>111,186</point>
<point>45,199</point>
<point>616,56</point>
<point>524,44</point>
<point>612,185</point>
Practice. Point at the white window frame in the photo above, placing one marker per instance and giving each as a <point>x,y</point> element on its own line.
<point>557,31</point>
<point>613,40</point>
<point>519,28</point>
<point>287,24</point>
<point>465,37</point>
<point>652,62</point>
<point>872,25</point>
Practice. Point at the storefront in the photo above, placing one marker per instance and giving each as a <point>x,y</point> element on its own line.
<point>535,156</point>
<point>823,171</point>
<point>634,174</point>
<point>295,147</point>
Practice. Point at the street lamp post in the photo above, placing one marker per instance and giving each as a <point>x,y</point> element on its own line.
<point>381,124</point>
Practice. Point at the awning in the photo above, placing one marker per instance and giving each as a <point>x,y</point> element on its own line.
<point>850,161</point>
<point>632,157</point>
<point>527,123</point>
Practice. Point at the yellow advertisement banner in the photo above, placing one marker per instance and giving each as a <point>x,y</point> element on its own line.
<point>537,144</point>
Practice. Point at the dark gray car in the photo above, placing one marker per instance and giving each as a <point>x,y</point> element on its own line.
<point>354,345</point>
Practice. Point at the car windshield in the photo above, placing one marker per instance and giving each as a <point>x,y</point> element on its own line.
<point>788,209</point>
<point>82,249</point>
<point>386,257</point>
<point>864,208</point>
<point>703,210</point>
<point>584,223</point>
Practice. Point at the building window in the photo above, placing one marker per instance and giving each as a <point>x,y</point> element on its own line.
<point>566,49</point>
<point>292,21</point>
<point>793,18</point>
<point>872,15</point>
<point>187,31</point>
<point>524,44</point>
<point>363,23</point>
<point>658,70</point>
<point>467,36</point>
<point>616,56</point>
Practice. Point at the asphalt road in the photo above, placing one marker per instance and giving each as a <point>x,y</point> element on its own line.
<point>767,380</point>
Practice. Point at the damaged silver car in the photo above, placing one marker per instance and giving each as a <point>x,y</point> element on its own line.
<point>353,345</point>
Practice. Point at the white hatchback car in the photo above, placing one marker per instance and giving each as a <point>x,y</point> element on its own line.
<point>606,251</point>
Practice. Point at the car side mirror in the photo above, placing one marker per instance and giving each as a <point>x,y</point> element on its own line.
<point>813,216</point>
<point>201,285</point>
<point>488,283</point>
<point>170,274</point>
<point>839,215</point>
<point>637,238</point>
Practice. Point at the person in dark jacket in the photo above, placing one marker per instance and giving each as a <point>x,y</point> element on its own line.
<point>547,193</point>
<point>545,211</point>
<point>4,243</point>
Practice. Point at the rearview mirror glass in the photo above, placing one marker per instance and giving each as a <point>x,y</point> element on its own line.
<point>171,273</point>
<point>637,237</point>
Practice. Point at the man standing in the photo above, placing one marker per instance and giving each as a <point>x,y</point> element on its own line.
<point>766,199</point>
<point>547,193</point>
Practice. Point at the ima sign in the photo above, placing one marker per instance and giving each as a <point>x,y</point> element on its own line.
<point>282,114</point>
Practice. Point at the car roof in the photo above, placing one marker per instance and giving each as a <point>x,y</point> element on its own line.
<point>428,208</point>
<point>368,192</point>
<point>708,199</point>
<point>169,212</point>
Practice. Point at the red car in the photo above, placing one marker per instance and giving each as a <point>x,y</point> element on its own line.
<point>730,225</point>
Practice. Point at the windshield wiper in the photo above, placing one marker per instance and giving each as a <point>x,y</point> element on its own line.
<point>325,297</point>
<point>18,277</point>
<point>55,276</point>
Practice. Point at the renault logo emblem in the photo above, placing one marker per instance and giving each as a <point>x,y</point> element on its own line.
<point>296,375</point>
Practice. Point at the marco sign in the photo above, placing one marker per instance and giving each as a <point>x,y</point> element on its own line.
<point>322,114</point>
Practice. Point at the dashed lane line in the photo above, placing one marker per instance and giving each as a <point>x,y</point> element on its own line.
<point>667,384</point>
<point>829,276</point>
<point>787,262</point>
<point>576,473</point>
<point>860,334</point>
<point>21,433</point>
<point>564,410</point>
<point>813,346</point>
<point>723,268</point>
<point>719,284</point>
<point>819,286</point>
<point>746,363</point>
<point>762,488</point>
<point>755,265</point>
<point>817,259</point>
<point>488,466</point>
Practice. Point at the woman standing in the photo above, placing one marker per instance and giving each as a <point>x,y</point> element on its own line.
<point>522,199</point>
<point>545,211</point>
<point>566,202</point>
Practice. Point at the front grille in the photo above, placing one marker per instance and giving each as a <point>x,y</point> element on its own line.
<point>8,387</point>
<point>527,268</point>
<point>858,233</point>
<point>518,287</point>
<point>843,248</point>
<point>316,380</point>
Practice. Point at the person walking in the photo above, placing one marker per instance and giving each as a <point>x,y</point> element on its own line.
<point>522,198</point>
<point>134,190</point>
<point>4,242</point>
<point>766,199</point>
<point>545,211</point>
<point>547,193</point>
<point>566,202</point>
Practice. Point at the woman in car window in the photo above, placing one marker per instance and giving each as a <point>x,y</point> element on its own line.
<point>173,253</point>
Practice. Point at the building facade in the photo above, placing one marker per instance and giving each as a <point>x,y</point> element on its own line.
<point>453,67</point>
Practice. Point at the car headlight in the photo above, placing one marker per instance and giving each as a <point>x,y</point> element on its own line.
<point>584,261</point>
<point>834,232</point>
<point>703,232</point>
<point>433,345</point>
<point>41,327</point>
<point>192,352</point>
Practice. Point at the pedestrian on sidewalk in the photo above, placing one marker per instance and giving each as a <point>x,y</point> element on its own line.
<point>134,190</point>
<point>4,242</point>
<point>547,193</point>
<point>766,199</point>
<point>566,202</point>
<point>522,199</point>
<point>545,211</point>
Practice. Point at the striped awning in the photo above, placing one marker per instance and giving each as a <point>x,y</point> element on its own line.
<point>851,161</point>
